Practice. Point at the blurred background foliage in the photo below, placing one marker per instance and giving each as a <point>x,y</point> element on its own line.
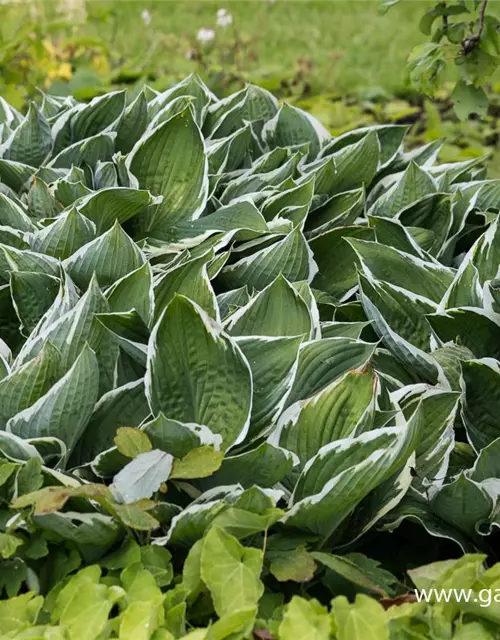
<point>340,59</point>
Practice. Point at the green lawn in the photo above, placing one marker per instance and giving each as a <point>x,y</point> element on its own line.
<point>332,46</point>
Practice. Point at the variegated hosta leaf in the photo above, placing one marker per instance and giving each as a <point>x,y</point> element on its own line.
<point>133,291</point>
<point>161,161</point>
<point>15,174</point>
<point>31,141</point>
<point>12,259</point>
<point>68,233</point>
<point>290,257</point>
<point>109,257</point>
<point>32,295</point>
<point>132,124</point>
<point>356,165</point>
<point>273,364</point>
<point>197,374</point>
<point>213,275</point>
<point>124,406</point>
<point>340,210</point>
<point>23,386</point>
<point>241,219</point>
<point>278,310</point>
<point>64,411</point>
<point>336,260</point>
<point>264,466</point>
<point>480,401</point>
<point>189,279</point>
<point>70,331</point>
<point>321,362</point>
<point>342,473</point>
<point>117,204</point>
<point>476,329</point>
<point>403,270</point>
<point>179,438</point>
<point>12,215</point>
<point>465,504</point>
<point>292,126</point>
<point>437,438</point>
<point>413,184</point>
<point>342,409</point>
<point>98,148</point>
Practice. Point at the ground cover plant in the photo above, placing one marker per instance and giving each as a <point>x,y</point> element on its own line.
<point>249,374</point>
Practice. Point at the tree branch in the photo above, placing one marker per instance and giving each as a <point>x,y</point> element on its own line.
<point>471,42</point>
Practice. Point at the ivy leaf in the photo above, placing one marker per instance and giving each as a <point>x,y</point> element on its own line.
<point>231,572</point>
<point>305,619</point>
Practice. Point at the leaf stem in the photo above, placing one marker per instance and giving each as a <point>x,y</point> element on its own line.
<point>471,42</point>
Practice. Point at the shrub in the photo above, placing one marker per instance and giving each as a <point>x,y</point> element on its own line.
<point>237,353</point>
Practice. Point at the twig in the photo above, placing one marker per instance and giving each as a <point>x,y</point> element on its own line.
<point>470,43</point>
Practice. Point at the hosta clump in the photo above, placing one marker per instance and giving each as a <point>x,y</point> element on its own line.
<point>222,327</point>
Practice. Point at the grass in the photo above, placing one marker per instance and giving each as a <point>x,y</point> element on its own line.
<point>337,46</point>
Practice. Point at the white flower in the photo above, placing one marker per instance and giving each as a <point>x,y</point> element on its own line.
<point>205,35</point>
<point>224,18</point>
<point>146,17</point>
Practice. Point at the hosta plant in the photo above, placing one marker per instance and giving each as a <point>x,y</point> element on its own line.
<point>240,360</point>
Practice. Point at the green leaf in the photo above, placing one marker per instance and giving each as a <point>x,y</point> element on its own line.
<point>231,572</point>
<point>142,477</point>
<point>156,560</point>
<point>297,565</point>
<point>161,160</point>
<point>290,257</point>
<point>198,463</point>
<point>65,409</point>
<point>305,619</point>
<point>131,442</point>
<point>109,257</point>
<point>186,345</point>
<point>19,613</point>
<point>278,310</point>
<point>9,544</point>
<point>292,126</point>
<point>116,204</point>
<point>348,569</point>
<point>469,99</point>
<point>337,411</point>
<point>123,406</point>
<point>83,605</point>
<point>27,384</point>
<point>32,294</point>
<point>264,466</point>
<point>68,233</point>
<point>354,621</point>
<point>31,142</point>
